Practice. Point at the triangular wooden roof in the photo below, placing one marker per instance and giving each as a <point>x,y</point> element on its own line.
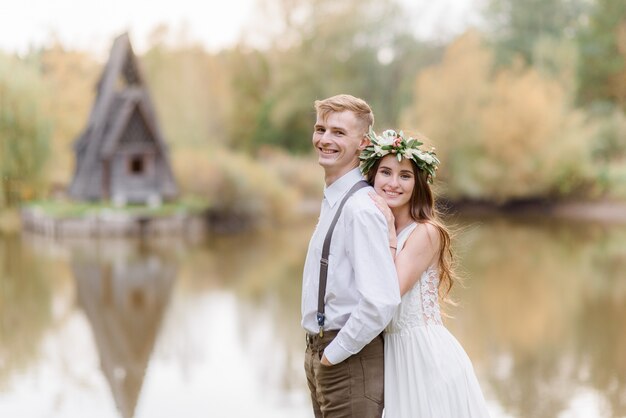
<point>110,114</point>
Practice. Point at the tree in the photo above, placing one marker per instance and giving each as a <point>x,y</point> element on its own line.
<point>70,78</point>
<point>191,90</point>
<point>248,118</point>
<point>324,48</point>
<point>24,129</point>
<point>515,26</point>
<point>502,135</point>
<point>603,52</point>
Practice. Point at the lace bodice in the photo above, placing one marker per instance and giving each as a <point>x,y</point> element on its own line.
<point>420,305</point>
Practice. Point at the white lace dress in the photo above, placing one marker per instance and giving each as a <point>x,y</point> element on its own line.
<point>427,372</point>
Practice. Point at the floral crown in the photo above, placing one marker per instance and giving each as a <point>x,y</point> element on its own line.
<point>392,142</point>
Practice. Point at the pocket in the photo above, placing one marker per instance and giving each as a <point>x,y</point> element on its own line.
<point>335,368</point>
<point>334,382</point>
<point>373,378</point>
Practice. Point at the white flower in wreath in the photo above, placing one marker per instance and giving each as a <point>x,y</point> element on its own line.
<point>412,153</point>
<point>379,151</point>
<point>427,158</point>
<point>390,133</point>
<point>382,141</point>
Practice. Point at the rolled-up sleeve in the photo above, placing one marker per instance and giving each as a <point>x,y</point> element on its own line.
<point>367,247</point>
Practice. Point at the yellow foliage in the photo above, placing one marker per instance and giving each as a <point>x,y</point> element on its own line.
<point>233,183</point>
<point>502,135</point>
<point>191,93</point>
<point>71,77</point>
<point>301,172</point>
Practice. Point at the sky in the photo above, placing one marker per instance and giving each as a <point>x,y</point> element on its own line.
<point>93,24</point>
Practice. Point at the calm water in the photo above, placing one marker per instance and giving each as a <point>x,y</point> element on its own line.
<point>120,329</point>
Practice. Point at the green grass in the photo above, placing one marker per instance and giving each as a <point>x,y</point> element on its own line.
<point>70,209</point>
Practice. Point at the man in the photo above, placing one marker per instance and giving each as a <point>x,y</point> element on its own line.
<point>344,363</point>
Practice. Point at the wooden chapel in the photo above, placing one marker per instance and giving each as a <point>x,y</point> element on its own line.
<point>121,155</point>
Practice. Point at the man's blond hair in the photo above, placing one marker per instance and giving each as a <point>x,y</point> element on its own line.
<point>343,102</point>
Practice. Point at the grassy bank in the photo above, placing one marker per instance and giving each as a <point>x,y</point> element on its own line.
<point>71,209</point>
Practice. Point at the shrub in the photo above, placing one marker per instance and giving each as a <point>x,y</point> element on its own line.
<point>234,184</point>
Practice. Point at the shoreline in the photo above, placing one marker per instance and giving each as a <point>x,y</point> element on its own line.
<point>603,211</point>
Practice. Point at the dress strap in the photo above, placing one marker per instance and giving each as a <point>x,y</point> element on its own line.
<point>404,234</point>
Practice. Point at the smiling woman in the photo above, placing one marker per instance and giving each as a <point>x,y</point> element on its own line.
<point>394,181</point>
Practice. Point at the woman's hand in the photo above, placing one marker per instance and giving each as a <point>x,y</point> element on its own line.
<point>384,208</point>
<point>382,205</point>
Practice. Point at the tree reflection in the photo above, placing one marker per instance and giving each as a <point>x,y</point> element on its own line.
<point>25,306</point>
<point>265,270</point>
<point>123,287</point>
<point>542,312</point>
<point>600,350</point>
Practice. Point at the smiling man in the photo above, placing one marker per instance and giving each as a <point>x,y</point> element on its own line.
<point>344,356</point>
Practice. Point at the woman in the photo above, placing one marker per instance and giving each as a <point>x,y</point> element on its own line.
<point>427,372</point>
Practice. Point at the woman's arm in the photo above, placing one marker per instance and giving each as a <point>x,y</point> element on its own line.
<point>419,253</point>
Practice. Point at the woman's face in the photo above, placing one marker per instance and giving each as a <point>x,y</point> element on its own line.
<point>394,181</point>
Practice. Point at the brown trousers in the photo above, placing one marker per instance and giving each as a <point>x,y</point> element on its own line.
<point>352,388</point>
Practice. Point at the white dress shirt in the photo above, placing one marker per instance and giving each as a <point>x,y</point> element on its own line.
<point>362,290</point>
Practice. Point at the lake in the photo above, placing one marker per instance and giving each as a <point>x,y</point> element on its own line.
<point>121,328</point>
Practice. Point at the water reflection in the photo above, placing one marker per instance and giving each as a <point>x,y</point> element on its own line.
<point>213,329</point>
<point>25,307</point>
<point>124,288</point>
<point>549,299</point>
<point>240,322</point>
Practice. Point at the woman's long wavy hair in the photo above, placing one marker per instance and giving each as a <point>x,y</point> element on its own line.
<point>423,210</point>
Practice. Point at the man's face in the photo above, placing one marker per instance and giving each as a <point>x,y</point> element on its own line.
<point>338,140</point>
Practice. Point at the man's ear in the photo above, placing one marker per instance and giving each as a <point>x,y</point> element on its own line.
<point>365,141</point>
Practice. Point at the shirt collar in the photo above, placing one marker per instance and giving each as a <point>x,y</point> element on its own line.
<point>340,186</point>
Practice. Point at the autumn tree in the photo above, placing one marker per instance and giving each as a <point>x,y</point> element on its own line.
<point>190,88</point>
<point>70,78</point>
<point>502,134</point>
